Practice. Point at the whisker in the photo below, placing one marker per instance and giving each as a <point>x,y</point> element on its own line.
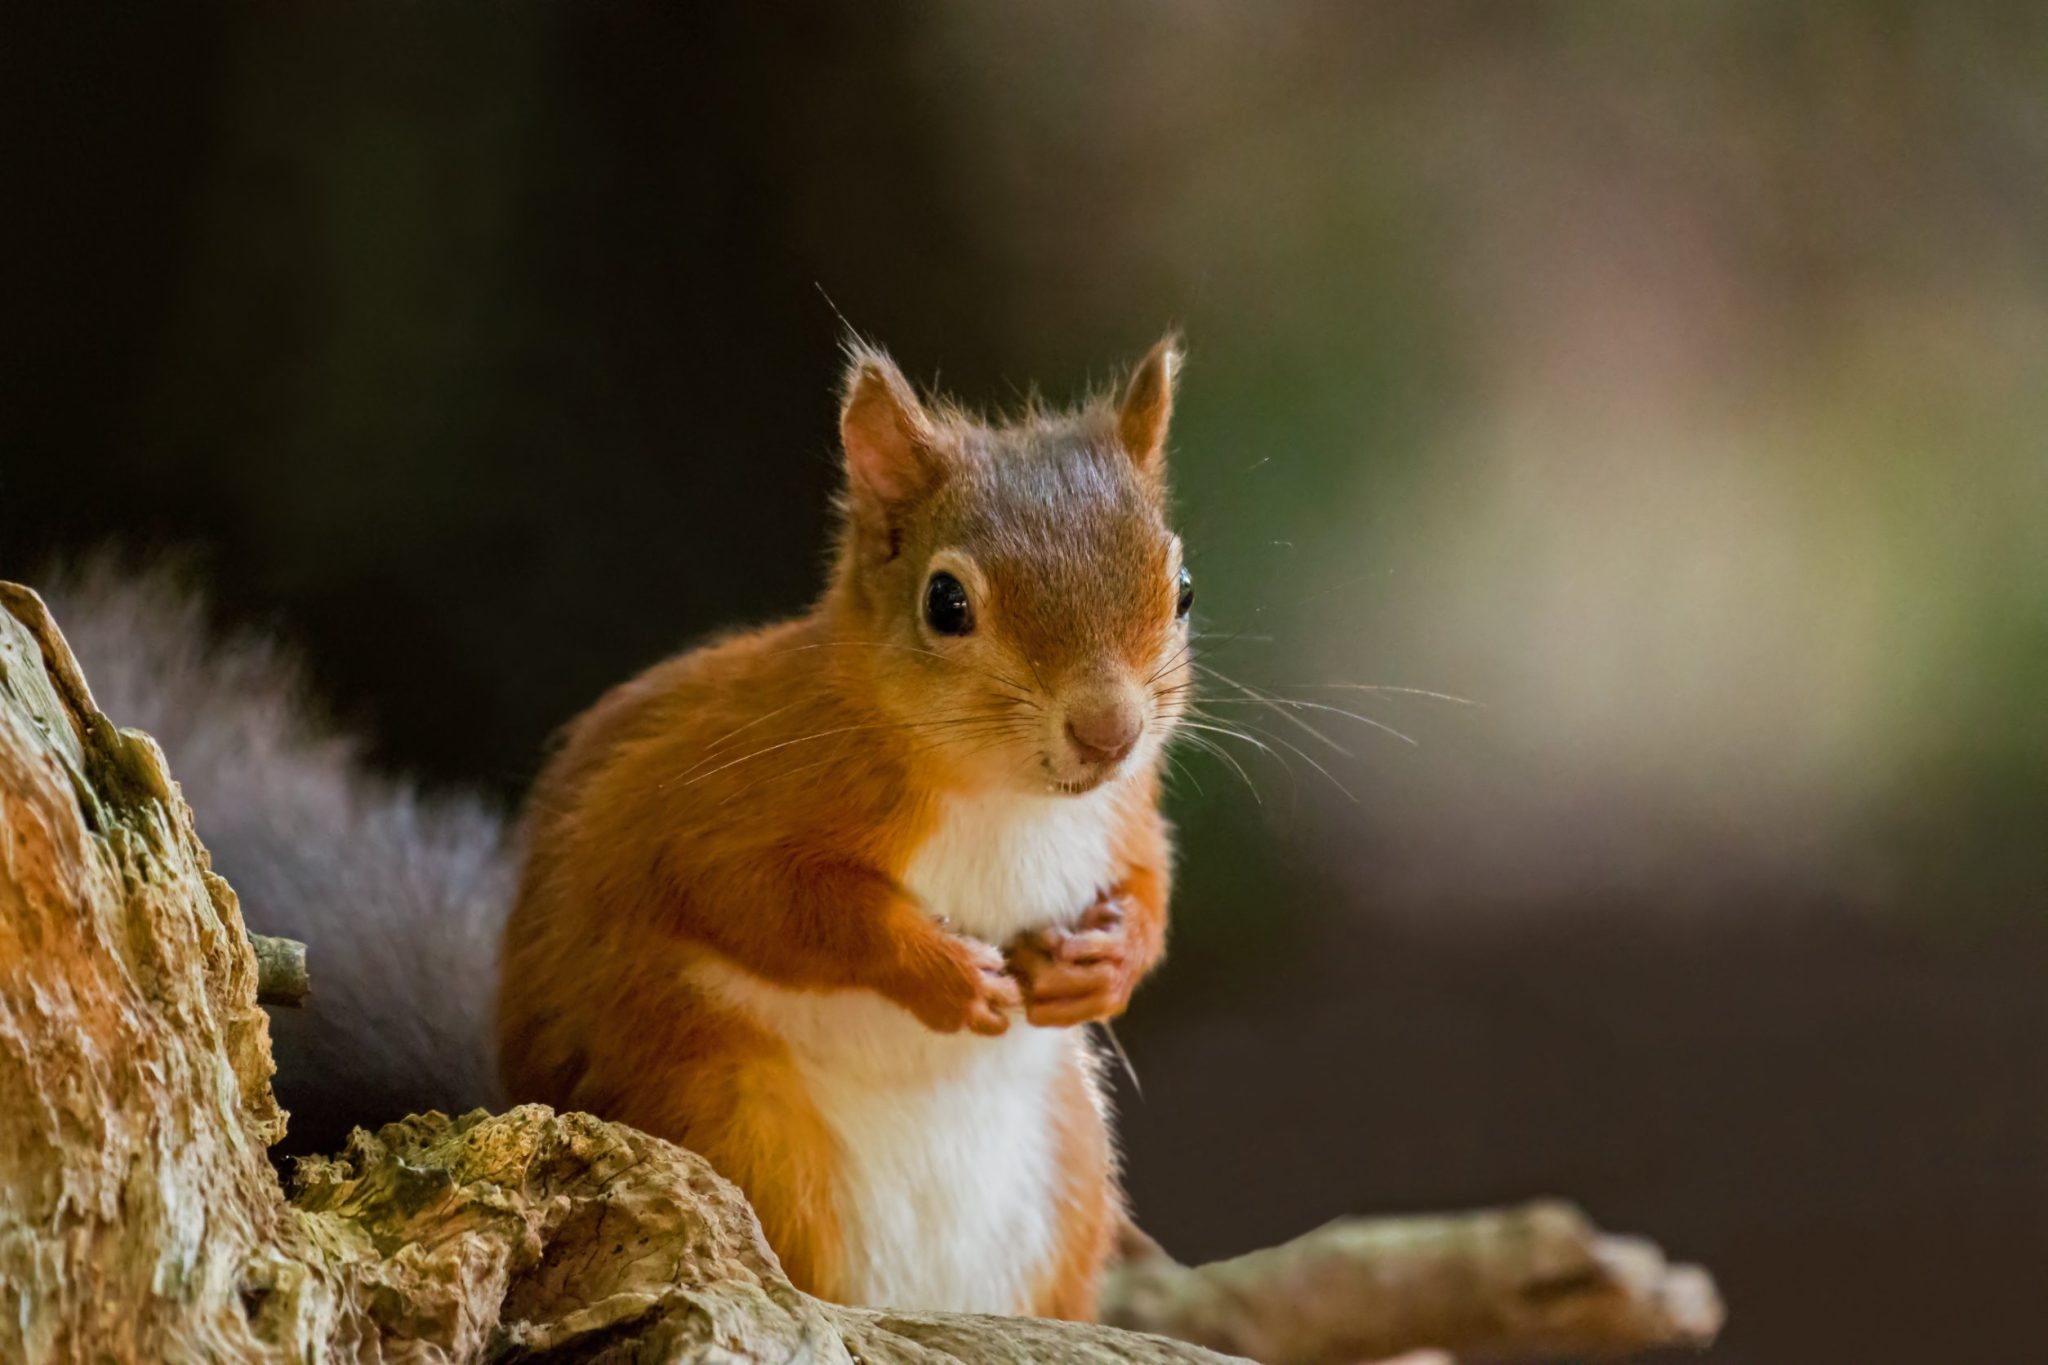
<point>1181,769</point>
<point>771,777</point>
<point>1309,759</point>
<point>1186,647</point>
<point>712,749</point>
<point>784,744</point>
<point>1210,746</point>
<point>1297,720</point>
<point>1210,728</point>
<point>1005,731</point>
<point>1117,1046</point>
<point>1402,691</point>
<point>825,734</point>
<point>1036,676</point>
<point>1311,706</point>
<point>907,649</point>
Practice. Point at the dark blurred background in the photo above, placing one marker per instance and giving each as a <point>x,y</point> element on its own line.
<point>1670,381</point>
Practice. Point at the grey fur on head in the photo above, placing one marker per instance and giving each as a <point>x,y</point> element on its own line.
<point>398,895</point>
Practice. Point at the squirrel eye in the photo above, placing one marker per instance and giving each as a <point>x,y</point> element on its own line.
<point>946,608</point>
<point>1187,595</point>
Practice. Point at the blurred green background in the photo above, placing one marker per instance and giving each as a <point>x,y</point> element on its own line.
<point>1669,382</point>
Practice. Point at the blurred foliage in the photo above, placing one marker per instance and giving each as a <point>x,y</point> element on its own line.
<point>1672,386</point>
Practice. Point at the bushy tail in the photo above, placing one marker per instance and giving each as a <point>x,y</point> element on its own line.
<point>398,896</point>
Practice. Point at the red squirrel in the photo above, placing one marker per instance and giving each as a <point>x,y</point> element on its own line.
<point>826,901</point>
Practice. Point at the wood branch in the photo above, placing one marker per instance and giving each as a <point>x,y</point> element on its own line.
<point>280,970</point>
<point>1535,1282</point>
<point>141,1220</point>
<point>536,1235</point>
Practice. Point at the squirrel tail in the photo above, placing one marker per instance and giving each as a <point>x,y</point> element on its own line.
<point>398,895</point>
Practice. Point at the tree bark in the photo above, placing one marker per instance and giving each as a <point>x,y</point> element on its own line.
<point>140,1218</point>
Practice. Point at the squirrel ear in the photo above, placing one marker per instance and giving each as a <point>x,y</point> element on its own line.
<point>891,450</point>
<point>1147,405</point>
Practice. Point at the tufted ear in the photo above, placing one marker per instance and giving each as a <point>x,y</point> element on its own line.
<point>892,453</point>
<point>1147,406</point>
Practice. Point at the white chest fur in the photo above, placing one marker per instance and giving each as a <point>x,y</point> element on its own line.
<point>997,865</point>
<point>949,1195</point>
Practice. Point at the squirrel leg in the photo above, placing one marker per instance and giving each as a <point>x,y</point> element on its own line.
<point>1089,1204</point>
<point>835,924</point>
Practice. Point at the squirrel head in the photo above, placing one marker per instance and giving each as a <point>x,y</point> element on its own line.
<point>1025,598</point>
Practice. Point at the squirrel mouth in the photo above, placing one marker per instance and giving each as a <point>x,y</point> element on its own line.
<point>1077,786</point>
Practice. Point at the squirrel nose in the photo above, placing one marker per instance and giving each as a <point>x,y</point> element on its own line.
<point>1103,732</point>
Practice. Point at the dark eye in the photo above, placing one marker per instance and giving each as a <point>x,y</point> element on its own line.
<point>946,608</point>
<point>1187,594</point>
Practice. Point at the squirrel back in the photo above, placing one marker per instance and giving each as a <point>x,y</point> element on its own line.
<point>399,895</point>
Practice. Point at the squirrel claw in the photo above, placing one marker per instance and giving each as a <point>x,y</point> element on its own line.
<point>973,990</point>
<point>1093,945</point>
<point>989,1014</point>
<point>1106,913</point>
<point>1074,976</point>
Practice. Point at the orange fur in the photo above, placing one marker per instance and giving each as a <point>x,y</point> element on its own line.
<point>1090,1203</point>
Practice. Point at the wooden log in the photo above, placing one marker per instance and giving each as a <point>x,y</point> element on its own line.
<point>1534,1282</point>
<point>281,977</point>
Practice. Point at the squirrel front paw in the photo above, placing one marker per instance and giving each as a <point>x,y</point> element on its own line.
<point>1077,975</point>
<point>963,984</point>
